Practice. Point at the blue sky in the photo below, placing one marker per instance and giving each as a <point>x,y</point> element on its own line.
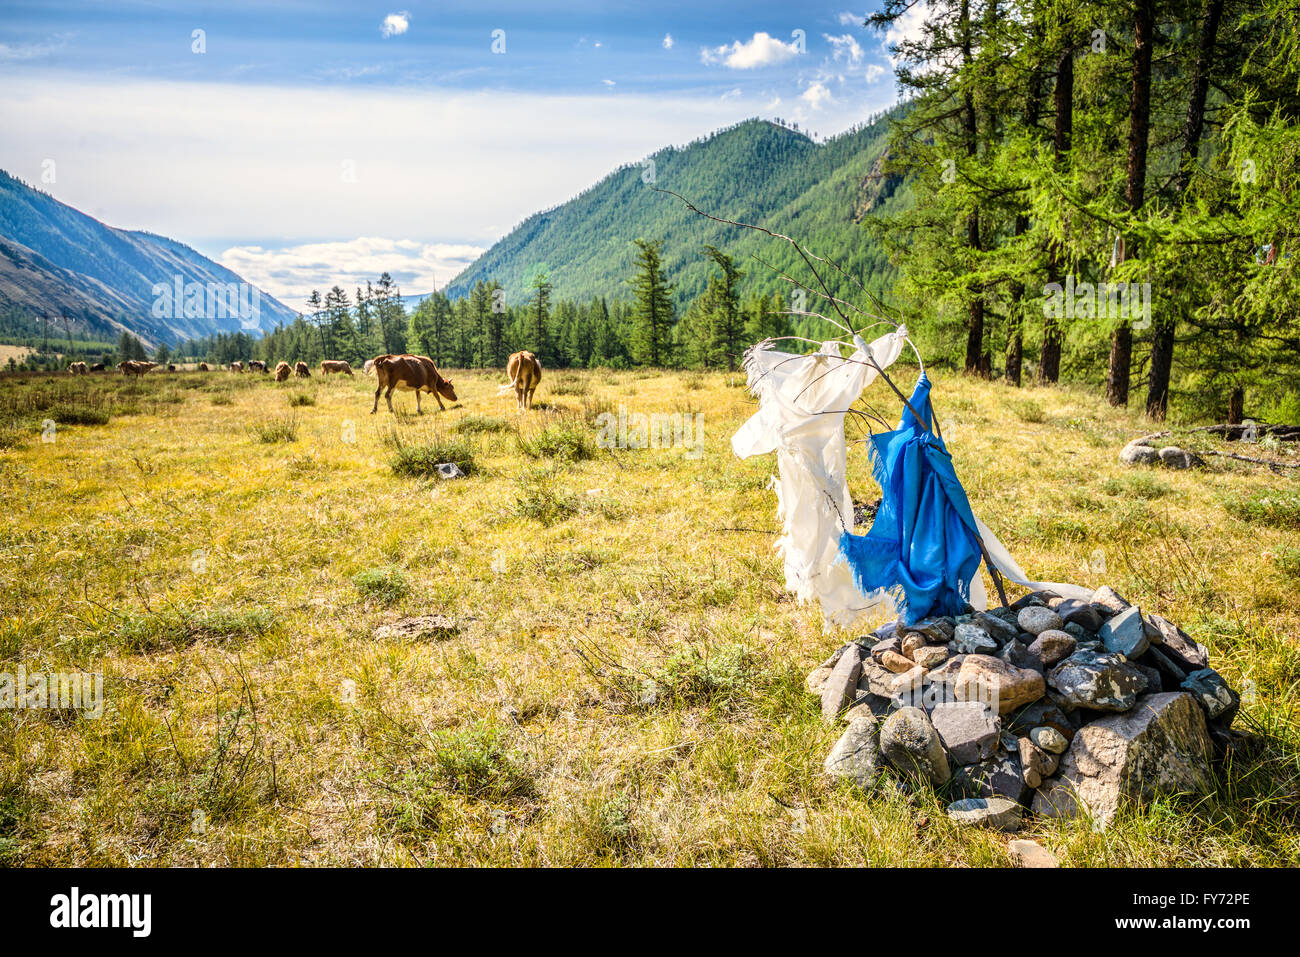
<point>305,143</point>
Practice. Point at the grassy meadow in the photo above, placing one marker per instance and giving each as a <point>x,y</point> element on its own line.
<point>624,681</point>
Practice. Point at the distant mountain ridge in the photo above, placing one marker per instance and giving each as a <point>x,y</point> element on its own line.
<point>756,171</point>
<point>57,262</point>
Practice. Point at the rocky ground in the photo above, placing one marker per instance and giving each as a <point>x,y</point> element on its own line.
<point>1052,706</point>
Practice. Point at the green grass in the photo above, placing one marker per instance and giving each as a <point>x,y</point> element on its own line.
<point>282,428</point>
<point>624,681</point>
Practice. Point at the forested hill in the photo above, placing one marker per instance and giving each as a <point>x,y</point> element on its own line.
<point>58,265</point>
<point>756,172</point>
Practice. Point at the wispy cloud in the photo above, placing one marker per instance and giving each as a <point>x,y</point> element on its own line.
<point>761,50</point>
<point>395,24</point>
<point>816,96</point>
<point>291,273</point>
<point>668,41</point>
<point>850,19</point>
<point>844,48</point>
<point>18,52</point>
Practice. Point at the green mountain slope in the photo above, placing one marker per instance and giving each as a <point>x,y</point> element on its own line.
<point>757,172</point>
<point>57,260</point>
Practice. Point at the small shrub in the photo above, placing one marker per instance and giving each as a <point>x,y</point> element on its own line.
<point>482,424</point>
<point>280,429</point>
<point>387,585</point>
<point>695,676</point>
<point>77,415</point>
<point>1137,485</point>
<point>479,762</point>
<point>11,437</point>
<point>1028,411</point>
<point>222,399</point>
<point>298,399</point>
<point>421,459</point>
<point>541,497</point>
<point>568,384</point>
<point>1275,509</point>
<point>178,627</point>
<point>1288,561</point>
<point>567,440</point>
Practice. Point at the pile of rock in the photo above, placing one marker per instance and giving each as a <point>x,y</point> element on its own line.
<point>1142,452</point>
<point>1052,704</point>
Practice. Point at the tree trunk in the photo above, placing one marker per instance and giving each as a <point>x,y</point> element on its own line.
<point>1121,343</point>
<point>1237,406</point>
<point>975,312</point>
<point>1049,358</point>
<point>1162,345</point>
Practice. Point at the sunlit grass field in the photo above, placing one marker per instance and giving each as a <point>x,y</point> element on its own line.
<point>624,680</point>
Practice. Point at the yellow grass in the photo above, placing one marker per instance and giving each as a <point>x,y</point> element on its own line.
<point>626,682</point>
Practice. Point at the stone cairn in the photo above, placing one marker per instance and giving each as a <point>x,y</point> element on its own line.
<point>1054,705</point>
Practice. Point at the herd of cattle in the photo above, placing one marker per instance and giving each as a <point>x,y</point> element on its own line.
<point>406,373</point>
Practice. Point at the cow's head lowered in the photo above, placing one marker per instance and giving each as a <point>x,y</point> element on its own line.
<point>445,388</point>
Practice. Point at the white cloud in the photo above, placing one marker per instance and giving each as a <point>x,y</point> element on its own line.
<point>844,48</point>
<point>849,19</point>
<point>910,27</point>
<point>731,94</point>
<point>668,41</point>
<point>238,165</point>
<point>32,51</point>
<point>816,96</point>
<point>291,273</point>
<point>395,24</point>
<point>608,82</point>
<point>874,72</point>
<point>761,50</point>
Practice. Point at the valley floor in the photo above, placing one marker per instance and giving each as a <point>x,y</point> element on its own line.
<point>623,679</point>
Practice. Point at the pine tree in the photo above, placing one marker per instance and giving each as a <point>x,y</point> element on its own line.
<point>653,306</point>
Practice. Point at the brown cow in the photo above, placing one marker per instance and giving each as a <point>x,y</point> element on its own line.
<point>525,372</point>
<point>335,365</point>
<point>282,371</point>
<point>237,366</point>
<point>76,368</point>
<point>132,367</point>
<point>203,367</point>
<point>410,374</point>
<point>97,367</point>
<point>256,365</point>
<point>301,371</point>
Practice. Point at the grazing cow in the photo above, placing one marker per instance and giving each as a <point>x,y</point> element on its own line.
<point>369,367</point>
<point>410,374</point>
<point>282,371</point>
<point>97,367</point>
<point>301,371</point>
<point>237,366</point>
<point>525,372</point>
<point>203,367</point>
<point>132,367</point>
<point>77,368</point>
<point>335,365</point>
<point>256,365</point>
<point>171,367</point>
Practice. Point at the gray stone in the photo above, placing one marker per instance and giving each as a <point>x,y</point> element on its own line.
<point>998,629</point>
<point>968,731</point>
<point>1017,653</point>
<point>887,630</point>
<point>1189,655</point>
<point>1125,633</point>
<point>1171,673</point>
<point>1037,620</point>
<point>1053,646</point>
<point>1137,454</point>
<point>1103,682</point>
<point>911,744</point>
<point>1033,598</point>
<point>1081,613</point>
<point>997,813</point>
<point>971,639</point>
<point>1042,712</point>
<point>946,676</point>
<point>876,679</point>
<point>1160,747</point>
<point>893,643</point>
<point>931,656</point>
<point>1219,701</point>
<point>1154,681</point>
<point>1049,739</point>
<point>998,776</point>
<point>937,631</point>
<point>1108,601</point>
<point>1033,758</point>
<point>841,685</point>
<point>1171,456</point>
<point>913,642</point>
<point>816,680</point>
<point>856,754</point>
